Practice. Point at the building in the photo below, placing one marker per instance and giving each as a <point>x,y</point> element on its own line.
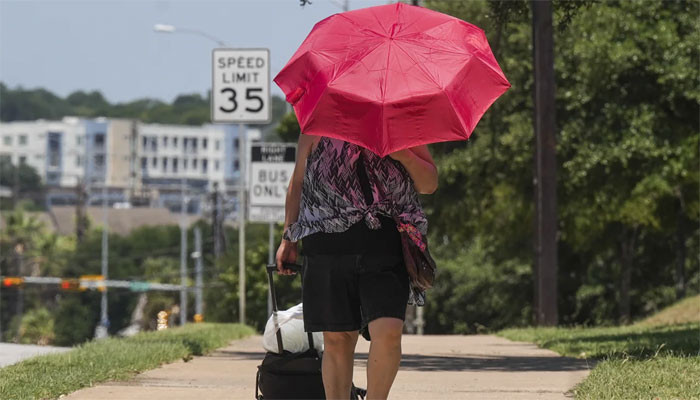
<point>132,163</point>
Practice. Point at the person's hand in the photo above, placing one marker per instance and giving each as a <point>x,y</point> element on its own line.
<point>287,252</point>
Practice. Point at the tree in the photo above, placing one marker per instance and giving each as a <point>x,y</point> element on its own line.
<point>627,159</point>
<point>25,183</point>
<point>288,129</point>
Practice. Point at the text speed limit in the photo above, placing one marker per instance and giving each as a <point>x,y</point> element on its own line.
<point>241,86</point>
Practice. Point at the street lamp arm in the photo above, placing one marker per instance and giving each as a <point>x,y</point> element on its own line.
<point>164,28</point>
<point>202,33</point>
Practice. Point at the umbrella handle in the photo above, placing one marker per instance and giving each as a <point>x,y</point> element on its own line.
<point>293,97</point>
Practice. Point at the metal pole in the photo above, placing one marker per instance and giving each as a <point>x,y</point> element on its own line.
<point>0,307</point>
<point>420,322</point>
<point>216,210</point>
<point>545,166</point>
<point>104,318</point>
<point>198,271</point>
<point>183,255</point>
<point>20,291</point>
<point>271,260</point>
<point>241,222</point>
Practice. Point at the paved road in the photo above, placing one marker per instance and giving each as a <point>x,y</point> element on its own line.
<point>12,353</point>
<point>433,367</point>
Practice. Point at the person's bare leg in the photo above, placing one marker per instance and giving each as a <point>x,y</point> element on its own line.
<point>337,363</point>
<point>384,356</point>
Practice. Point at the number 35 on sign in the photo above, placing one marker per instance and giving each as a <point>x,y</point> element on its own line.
<point>241,86</point>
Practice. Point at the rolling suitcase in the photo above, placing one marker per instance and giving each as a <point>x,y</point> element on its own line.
<point>286,375</point>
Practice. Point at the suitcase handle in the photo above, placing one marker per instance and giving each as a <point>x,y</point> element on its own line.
<point>294,267</point>
<point>273,268</point>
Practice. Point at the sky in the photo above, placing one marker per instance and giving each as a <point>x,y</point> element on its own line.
<point>110,46</point>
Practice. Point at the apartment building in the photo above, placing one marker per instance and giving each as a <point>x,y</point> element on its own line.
<point>138,163</point>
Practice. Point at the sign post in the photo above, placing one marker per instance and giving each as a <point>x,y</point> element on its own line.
<point>271,168</point>
<point>241,94</point>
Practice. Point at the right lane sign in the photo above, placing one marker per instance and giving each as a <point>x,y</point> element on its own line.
<point>271,168</point>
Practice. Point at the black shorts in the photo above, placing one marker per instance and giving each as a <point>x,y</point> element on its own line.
<point>353,277</point>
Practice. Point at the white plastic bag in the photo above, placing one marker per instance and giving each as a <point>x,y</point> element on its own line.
<point>294,339</point>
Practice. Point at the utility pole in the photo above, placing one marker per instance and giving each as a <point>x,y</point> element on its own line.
<point>197,255</point>
<point>104,319</point>
<point>183,256</point>
<point>546,311</point>
<point>216,209</point>
<point>241,222</point>
<point>19,310</point>
<point>270,260</point>
<point>80,197</point>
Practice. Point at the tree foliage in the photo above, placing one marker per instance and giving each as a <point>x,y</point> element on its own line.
<point>21,104</point>
<point>627,97</point>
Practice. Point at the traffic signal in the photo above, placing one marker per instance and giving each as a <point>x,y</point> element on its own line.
<point>92,282</point>
<point>12,281</point>
<point>71,285</point>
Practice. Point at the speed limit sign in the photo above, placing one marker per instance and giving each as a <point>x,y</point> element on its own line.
<point>241,86</point>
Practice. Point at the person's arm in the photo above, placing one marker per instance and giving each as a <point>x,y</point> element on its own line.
<point>420,166</point>
<point>287,251</point>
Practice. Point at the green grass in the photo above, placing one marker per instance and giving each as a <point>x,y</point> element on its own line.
<point>686,310</point>
<point>634,362</point>
<point>52,375</point>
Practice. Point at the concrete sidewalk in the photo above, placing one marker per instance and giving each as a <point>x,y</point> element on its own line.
<point>11,353</point>
<point>433,367</point>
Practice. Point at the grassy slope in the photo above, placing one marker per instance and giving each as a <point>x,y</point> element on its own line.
<point>51,375</point>
<point>647,360</point>
<point>686,310</point>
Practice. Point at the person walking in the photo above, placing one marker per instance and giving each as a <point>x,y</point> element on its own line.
<point>339,204</point>
<point>370,89</point>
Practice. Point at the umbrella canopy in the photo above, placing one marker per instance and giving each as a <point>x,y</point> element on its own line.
<point>392,77</point>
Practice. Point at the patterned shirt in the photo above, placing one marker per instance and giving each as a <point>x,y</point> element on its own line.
<point>332,199</point>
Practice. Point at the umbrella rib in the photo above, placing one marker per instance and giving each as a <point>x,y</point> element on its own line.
<point>420,66</point>
<point>363,29</point>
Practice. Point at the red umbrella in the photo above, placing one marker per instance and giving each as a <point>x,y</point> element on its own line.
<point>392,77</point>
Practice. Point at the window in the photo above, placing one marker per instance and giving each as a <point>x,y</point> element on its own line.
<point>204,143</point>
<point>144,142</point>
<point>22,140</point>
<point>165,164</point>
<point>154,144</point>
<point>236,165</point>
<point>7,140</point>
<point>144,162</point>
<point>79,140</point>
<point>194,164</point>
<point>100,160</point>
<point>204,165</point>
<point>175,141</point>
<point>22,160</point>
<point>165,141</point>
<point>236,143</point>
<point>184,164</point>
<point>174,164</point>
<point>216,165</point>
<point>54,153</point>
<point>216,145</point>
<point>78,161</point>
<point>194,143</point>
<point>154,162</point>
<point>99,140</point>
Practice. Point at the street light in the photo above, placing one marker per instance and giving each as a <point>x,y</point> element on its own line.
<point>165,28</point>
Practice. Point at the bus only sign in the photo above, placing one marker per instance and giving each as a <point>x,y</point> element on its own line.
<point>241,86</point>
<point>271,167</point>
